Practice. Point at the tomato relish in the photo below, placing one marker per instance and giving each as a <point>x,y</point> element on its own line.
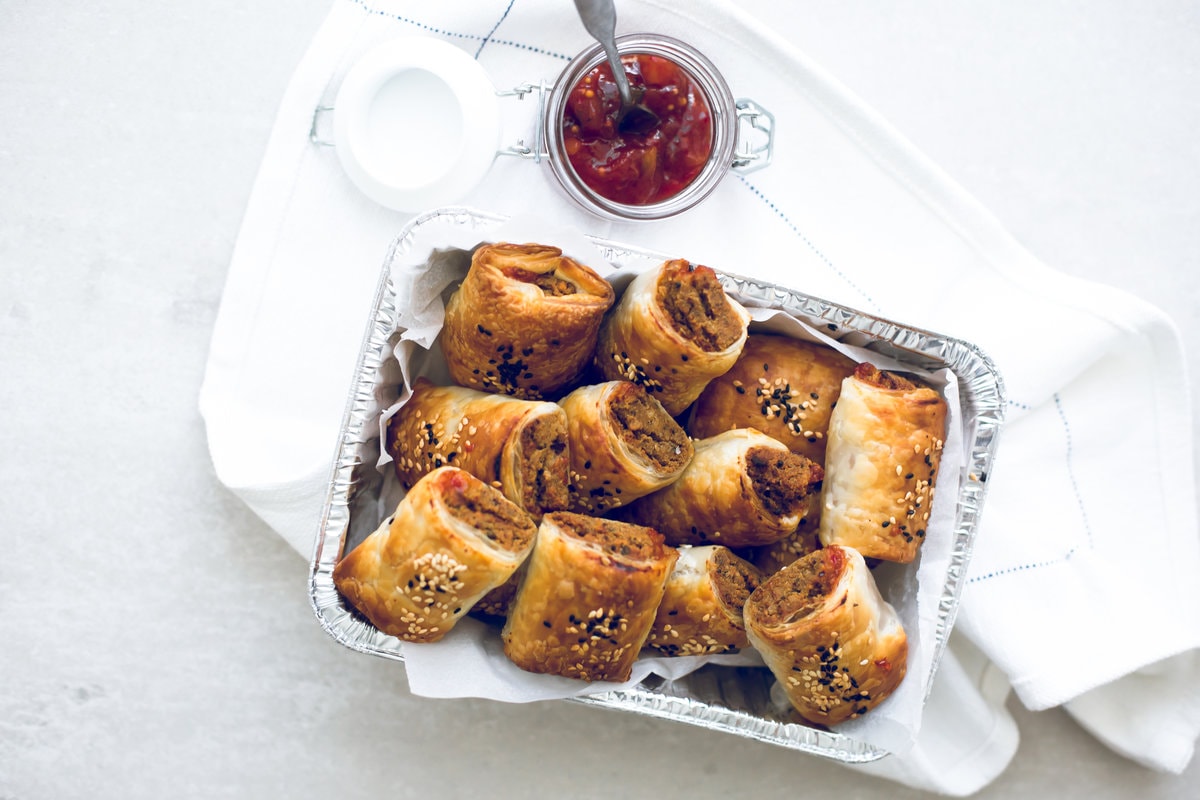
<point>631,168</point>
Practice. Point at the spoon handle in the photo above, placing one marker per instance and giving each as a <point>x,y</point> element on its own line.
<point>600,19</point>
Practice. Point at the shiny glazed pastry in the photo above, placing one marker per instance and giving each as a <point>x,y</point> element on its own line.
<point>782,386</point>
<point>673,330</point>
<point>524,321</point>
<point>701,609</point>
<point>885,444</point>
<point>741,489</point>
<point>452,540</point>
<point>588,598</point>
<point>623,445</point>
<point>834,644</point>
<point>517,446</point>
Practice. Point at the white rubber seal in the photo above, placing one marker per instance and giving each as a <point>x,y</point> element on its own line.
<point>416,123</point>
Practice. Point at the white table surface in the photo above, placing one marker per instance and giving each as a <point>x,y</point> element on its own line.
<point>156,638</point>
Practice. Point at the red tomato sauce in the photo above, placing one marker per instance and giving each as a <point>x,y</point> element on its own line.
<point>638,169</point>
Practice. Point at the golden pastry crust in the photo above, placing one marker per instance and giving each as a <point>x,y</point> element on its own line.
<point>517,446</point>
<point>452,540</point>
<point>834,644</point>
<point>588,598</point>
<point>782,386</point>
<point>673,330</point>
<point>741,489</point>
<point>524,321</point>
<point>623,445</point>
<point>701,609</point>
<point>885,446</point>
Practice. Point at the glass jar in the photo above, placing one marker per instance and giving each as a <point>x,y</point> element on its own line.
<point>725,116</point>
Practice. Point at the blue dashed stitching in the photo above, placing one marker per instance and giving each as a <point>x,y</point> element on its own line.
<point>1025,567</point>
<point>457,35</point>
<point>779,213</point>
<point>1070,470</point>
<point>1062,415</point>
<point>503,17</point>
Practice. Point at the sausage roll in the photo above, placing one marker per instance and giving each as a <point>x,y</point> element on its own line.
<point>741,489</point>
<point>452,539</point>
<point>673,330</point>
<point>885,445</point>
<point>588,598</point>
<point>517,446</point>
<point>623,445</point>
<point>782,386</point>
<point>524,321</point>
<point>701,610</point>
<point>834,644</point>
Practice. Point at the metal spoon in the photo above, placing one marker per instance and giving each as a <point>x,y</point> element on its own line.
<point>600,19</point>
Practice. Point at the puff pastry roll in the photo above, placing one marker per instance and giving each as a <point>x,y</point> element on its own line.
<point>701,609</point>
<point>452,539</point>
<point>885,445</point>
<point>623,445</point>
<point>834,644</point>
<point>588,598</point>
<point>782,386</point>
<point>524,321</point>
<point>673,330</point>
<point>517,446</point>
<point>741,489</point>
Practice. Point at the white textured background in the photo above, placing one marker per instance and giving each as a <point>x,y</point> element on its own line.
<point>155,637</point>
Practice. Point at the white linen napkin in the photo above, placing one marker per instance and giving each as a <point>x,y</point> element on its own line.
<point>1081,589</point>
